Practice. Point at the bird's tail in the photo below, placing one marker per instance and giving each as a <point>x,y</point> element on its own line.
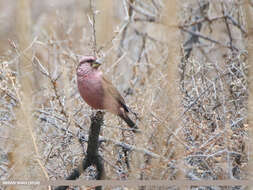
<point>129,122</point>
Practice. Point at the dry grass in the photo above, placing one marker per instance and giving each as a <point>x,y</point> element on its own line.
<point>193,111</point>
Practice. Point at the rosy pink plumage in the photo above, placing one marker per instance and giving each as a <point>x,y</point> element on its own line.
<point>98,92</point>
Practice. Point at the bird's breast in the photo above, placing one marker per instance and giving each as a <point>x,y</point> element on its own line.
<point>91,91</point>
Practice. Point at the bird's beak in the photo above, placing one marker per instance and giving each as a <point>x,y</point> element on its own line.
<point>96,64</point>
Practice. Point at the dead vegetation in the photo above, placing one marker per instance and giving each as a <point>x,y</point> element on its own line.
<point>182,66</point>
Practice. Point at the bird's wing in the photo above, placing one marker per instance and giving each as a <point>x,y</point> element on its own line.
<point>111,90</point>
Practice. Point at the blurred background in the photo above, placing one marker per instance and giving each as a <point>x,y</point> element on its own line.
<point>180,65</point>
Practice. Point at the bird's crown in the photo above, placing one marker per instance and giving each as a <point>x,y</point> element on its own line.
<point>88,59</point>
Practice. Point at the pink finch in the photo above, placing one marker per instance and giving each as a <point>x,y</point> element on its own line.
<point>98,92</point>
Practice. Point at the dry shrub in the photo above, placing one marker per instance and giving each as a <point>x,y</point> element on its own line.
<point>192,111</point>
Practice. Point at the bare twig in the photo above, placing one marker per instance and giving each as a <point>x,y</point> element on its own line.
<point>142,11</point>
<point>205,19</point>
<point>205,37</point>
<point>93,25</point>
<point>227,26</point>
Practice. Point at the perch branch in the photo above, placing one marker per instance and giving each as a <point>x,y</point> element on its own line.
<point>92,156</point>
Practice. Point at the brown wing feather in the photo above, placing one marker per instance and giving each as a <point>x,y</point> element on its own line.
<point>110,89</point>
<point>115,102</point>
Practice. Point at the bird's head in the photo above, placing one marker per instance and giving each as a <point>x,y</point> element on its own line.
<point>91,61</point>
<point>87,64</point>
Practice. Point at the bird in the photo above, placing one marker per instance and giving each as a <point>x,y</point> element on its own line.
<point>98,92</point>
